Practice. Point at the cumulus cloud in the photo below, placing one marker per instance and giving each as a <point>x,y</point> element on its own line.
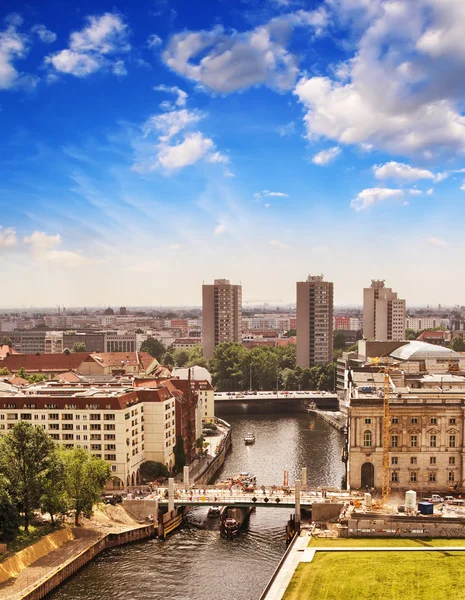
<point>14,45</point>
<point>371,196</point>
<point>402,88</point>
<point>219,229</point>
<point>324,157</point>
<point>181,95</point>
<point>436,242</point>
<point>8,237</point>
<point>40,241</point>
<point>176,147</point>
<point>279,245</point>
<point>230,61</point>
<point>415,192</point>
<point>44,34</point>
<point>93,47</point>
<point>153,40</point>
<point>401,171</point>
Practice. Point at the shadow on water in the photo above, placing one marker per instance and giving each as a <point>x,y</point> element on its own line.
<point>195,563</point>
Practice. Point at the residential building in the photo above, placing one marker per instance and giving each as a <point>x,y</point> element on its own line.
<point>94,342</point>
<point>201,382</point>
<point>120,341</point>
<point>221,314</point>
<point>28,341</point>
<point>439,338</point>
<point>186,343</point>
<point>314,321</point>
<point>383,313</point>
<point>419,323</point>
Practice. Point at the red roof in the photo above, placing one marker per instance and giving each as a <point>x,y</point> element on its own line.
<point>44,363</point>
<point>431,334</point>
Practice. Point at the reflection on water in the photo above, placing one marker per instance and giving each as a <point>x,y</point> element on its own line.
<point>195,563</point>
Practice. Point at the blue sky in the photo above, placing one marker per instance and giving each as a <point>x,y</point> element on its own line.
<point>150,146</point>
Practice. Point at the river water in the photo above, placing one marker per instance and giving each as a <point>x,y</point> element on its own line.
<point>195,563</point>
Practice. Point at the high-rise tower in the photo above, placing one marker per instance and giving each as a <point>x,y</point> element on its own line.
<point>383,313</point>
<point>221,314</point>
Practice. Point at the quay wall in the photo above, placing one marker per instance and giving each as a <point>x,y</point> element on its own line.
<point>411,527</point>
<point>329,419</point>
<point>205,477</point>
<point>109,540</point>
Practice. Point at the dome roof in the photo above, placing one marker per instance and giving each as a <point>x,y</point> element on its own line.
<point>417,350</point>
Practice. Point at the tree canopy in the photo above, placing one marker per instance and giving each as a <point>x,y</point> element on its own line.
<point>151,470</point>
<point>458,344</point>
<point>154,347</point>
<point>79,347</point>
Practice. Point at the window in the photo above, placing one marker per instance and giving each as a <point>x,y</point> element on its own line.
<point>367,439</point>
<point>53,426</point>
<point>413,460</point>
<point>53,416</point>
<point>395,477</point>
<point>110,427</point>
<point>394,441</point>
<point>67,417</point>
<point>367,421</point>
<point>395,420</point>
<point>432,477</point>
<point>414,420</point>
<point>413,477</point>
<point>26,417</point>
<point>432,441</point>
<point>452,460</point>
<point>452,421</point>
<point>110,417</point>
<point>394,460</point>
<point>432,460</point>
<point>413,441</point>
<point>451,476</point>
<point>433,421</point>
<point>110,456</point>
<point>95,417</point>
<point>452,441</point>
<point>95,427</point>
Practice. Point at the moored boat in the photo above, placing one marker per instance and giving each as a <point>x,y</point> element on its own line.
<point>214,512</point>
<point>249,438</point>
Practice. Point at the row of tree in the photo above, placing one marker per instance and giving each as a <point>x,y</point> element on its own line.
<point>38,475</point>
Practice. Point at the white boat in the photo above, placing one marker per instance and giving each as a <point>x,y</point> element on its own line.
<point>249,438</point>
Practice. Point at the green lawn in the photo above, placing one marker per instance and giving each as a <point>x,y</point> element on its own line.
<point>23,539</point>
<point>380,576</point>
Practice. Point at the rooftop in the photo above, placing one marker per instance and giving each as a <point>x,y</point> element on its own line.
<point>417,350</point>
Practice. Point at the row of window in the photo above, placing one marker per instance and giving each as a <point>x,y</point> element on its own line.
<point>414,477</point>
<point>433,440</point>
<point>413,460</point>
<point>414,421</point>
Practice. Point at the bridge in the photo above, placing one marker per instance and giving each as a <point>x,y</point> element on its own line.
<point>243,397</point>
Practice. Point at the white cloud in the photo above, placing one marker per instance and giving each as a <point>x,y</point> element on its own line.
<point>415,192</point>
<point>13,46</point>
<point>324,157</point>
<point>93,47</point>
<point>371,196</point>
<point>404,83</point>
<point>229,61</point>
<point>462,187</point>
<point>170,124</point>
<point>65,258</point>
<point>40,241</point>
<point>219,229</point>
<point>401,171</point>
<point>228,173</point>
<point>153,40</point>
<point>267,205</point>
<point>194,147</point>
<point>181,95</point>
<point>217,157</point>
<point>278,245</point>
<point>430,192</point>
<point>268,194</point>
<point>288,129</point>
<point>44,34</point>
<point>436,242</point>
<point>8,237</point>
<point>175,246</point>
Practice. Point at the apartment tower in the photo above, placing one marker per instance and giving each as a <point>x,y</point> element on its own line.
<point>383,313</point>
<point>221,314</point>
<point>314,321</point>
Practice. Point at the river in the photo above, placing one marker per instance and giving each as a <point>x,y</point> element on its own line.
<point>195,563</point>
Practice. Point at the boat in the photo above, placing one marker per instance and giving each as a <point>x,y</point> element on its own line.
<point>214,512</point>
<point>230,527</point>
<point>249,438</point>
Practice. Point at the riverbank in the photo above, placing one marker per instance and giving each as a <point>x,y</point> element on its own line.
<point>111,526</point>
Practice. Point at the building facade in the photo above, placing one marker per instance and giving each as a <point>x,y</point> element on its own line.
<point>383,313</point>
<point>314,321</point>
<point>221,314</point>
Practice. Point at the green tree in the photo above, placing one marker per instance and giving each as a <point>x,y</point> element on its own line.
<point>67,351</point>
<point>458,344</point>
<point>151,470</point>
<point>4,371</point>
<point>181,357</point>
<point>168,359</point>
<point>25,454</point>
<point>53,499</point>
<point>291,333</point>
<point>410,334</point>
<point>9,516</point>
<point>6,341</point>
<point>196,357</point>
<point>154,347</point>
<point>86,476</point>
<point>227,367</point>
<point>179,454</point>
<point>339,340</point>
<point>79,347</point>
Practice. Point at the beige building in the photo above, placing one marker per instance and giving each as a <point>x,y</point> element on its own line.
<point>314,321</point>
<point>383,313</point>
<point>221,314</point>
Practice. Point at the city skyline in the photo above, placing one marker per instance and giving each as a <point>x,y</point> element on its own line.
<point>257,141</point>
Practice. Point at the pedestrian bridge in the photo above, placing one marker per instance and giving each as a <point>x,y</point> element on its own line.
<point>274,395</point>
